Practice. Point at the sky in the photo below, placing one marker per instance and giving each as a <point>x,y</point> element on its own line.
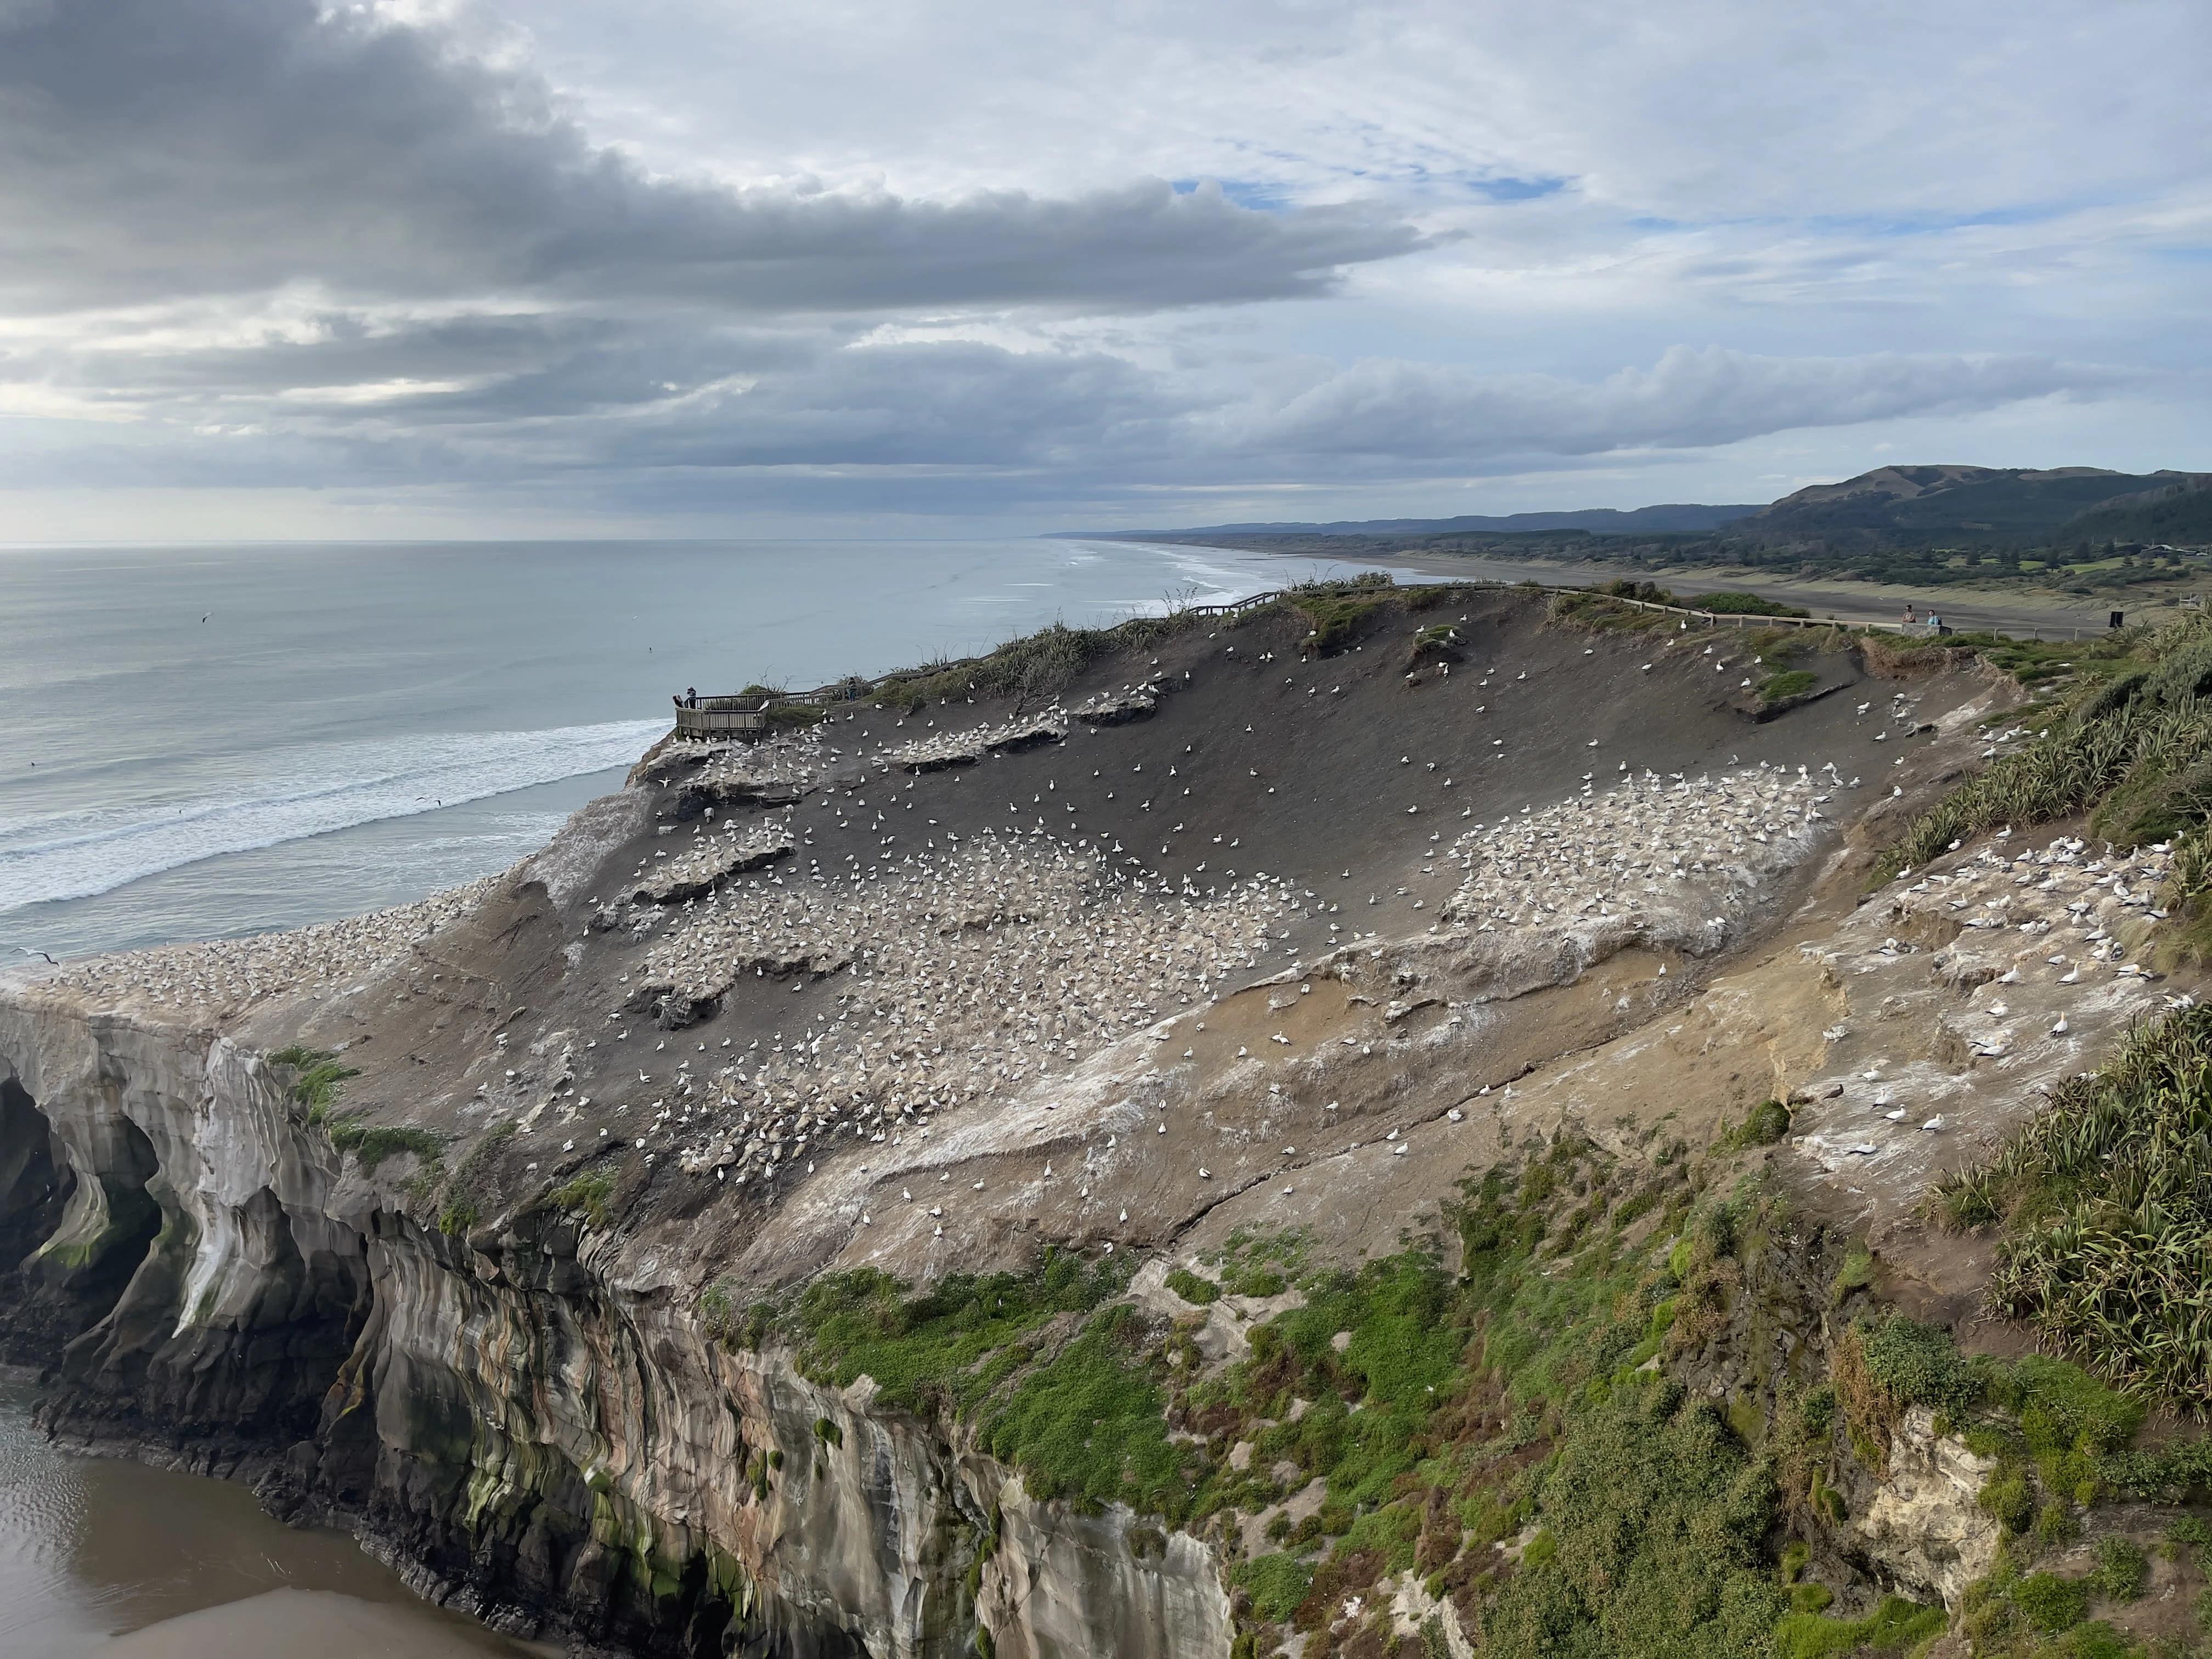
<point>273,269</point>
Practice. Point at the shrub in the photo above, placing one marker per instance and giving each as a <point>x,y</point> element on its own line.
<point>1740,604</point>
<point>2006,1495</point>
<point>2138,750</point>
<point>1338,610</point>
<point>318,1075</point>
<point>1276,1583</point>
<point>1919,1365</point>
<point>1658,1513</point>
<point>371,1144</point>
<point>1192,1288</point>
<point>953,1341</point>
<point>585,1194</point>
<point>2103,1192</point>
<point>2051,1604</point>
<point>1086,1426</point>
<point>1767,1123</point>
<point>2123,1571</point>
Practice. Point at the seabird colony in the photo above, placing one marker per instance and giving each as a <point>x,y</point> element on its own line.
<point>965,967</point>
<point>960,973</point>
<point>2041,956</point>
<point>1647,844</point>
<point>222,975</point>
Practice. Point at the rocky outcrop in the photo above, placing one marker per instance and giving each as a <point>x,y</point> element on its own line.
<point>1923,1528</point>
<point>528,1431</point>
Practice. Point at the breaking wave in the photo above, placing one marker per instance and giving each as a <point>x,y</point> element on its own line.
<point>299,792</point>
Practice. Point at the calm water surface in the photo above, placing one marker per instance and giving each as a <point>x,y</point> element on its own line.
<point>104,1557</point>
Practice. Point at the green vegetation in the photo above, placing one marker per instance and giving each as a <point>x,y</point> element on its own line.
<point>1740,604</point>
<point>1337,610</point>
<point>1087,1424</point>
<point>2045,1615</point>
<point>1277,1583</point>
<point>2123,1571</point>
<point>1856,1275</point>
<point>2136,746</point>
<point>2076,534</point>
<point>1062,1382</point>
<point>371,1144</point>
<point>1432,1417</point>
<point>1916,1365</point>
<point>585,1194</point>
<point>2107,1213</point>
<point>1443,1414</point>
<point>1659,1513</point>
<point>1896,1626</point>
<point>1192,1288</point>
<point>1789,683</point>
<point>1262,1265</point>
<point>950,1347</point>
<point>1438,643</point>
<point>1768,1122</point>
<point>318,1074</point>
<point>1035,668</point>
<point>2180,514</point>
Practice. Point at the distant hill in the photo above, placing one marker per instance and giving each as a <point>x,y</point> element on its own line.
<point>1674,518</point>
<point>1892,508</point>
<point>2179,514</point>
<point>1969,503</point>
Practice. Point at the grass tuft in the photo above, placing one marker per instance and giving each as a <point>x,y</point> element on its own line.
<point>373,1143</point>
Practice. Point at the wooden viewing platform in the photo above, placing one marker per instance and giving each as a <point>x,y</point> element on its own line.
<point>722,717</point>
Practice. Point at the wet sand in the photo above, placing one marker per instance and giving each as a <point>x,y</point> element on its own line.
<point>296,1624</point>
<point>101,1557</point>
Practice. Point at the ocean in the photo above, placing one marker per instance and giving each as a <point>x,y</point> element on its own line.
<point>204,741</point>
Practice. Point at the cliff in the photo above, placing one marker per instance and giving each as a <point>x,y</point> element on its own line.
<point>933,1183</point>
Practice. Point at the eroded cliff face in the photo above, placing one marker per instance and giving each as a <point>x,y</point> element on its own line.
<point>523,1436</point>
<point>513,1392</point>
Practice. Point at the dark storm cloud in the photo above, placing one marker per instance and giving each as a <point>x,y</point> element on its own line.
<point>154,148</point>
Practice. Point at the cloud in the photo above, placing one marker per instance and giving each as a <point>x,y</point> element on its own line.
<point>967,422</point>
<point>675,255</point>
<point>154,148</point>
<point>1689,398</point>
